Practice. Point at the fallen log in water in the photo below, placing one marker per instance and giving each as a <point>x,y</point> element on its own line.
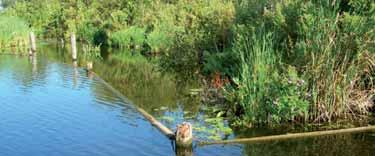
<point>290,136</point>
<point>166,131</point>
<point>183,137</point>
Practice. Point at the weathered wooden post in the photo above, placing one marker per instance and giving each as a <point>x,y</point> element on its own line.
<point>74,46</point>
<point>62,42</point>
<point>30,52</point>
<point>75,64</point>
<point>90,73</point>
<point>89,66</point>
<point>184,139</point>
<point>75,74</point>
<point>180,151</point>
<point>73,43</point>
<point>184,135</point>
<point>32,43</point>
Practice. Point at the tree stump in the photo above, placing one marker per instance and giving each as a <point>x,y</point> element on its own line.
<point>184,135</point>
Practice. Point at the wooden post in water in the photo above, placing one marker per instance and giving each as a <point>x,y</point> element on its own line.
<point>89,66</point>
<point>184,135</point>
<point>74,46</point>
<point>184,151</point>
<point>90,73</point>
<point>32,43</point>
<point>30,52</point>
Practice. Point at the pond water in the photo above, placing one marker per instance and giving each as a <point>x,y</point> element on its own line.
<point>48,107</point>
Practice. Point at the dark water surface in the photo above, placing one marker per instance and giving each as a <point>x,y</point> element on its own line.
<point>50,108</point>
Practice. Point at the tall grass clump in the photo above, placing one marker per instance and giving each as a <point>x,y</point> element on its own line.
<point>335,49</point>
<point>121,39</point>
<point>257,75</point>
<point>13,32</point>
<point>263,93</point>
<point>129,38</point>
<point>159,41</point>
<point>322,62</point>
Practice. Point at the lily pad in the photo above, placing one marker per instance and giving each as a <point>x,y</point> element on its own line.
<point>167,118</point>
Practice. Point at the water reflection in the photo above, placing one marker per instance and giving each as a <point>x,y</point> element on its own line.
<point>343,145</point>
<point>34,62</point>
<point>75,74</point>
<point>44,111</point>
<point>137,79</point>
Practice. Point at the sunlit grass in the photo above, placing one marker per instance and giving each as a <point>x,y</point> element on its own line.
<point>13,32</point>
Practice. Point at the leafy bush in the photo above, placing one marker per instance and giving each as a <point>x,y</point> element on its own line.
<point>87,32</point>
<point>225,63</point>
<point>290,96</point>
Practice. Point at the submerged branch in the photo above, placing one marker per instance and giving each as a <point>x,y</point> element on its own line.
<point>290,136</point>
